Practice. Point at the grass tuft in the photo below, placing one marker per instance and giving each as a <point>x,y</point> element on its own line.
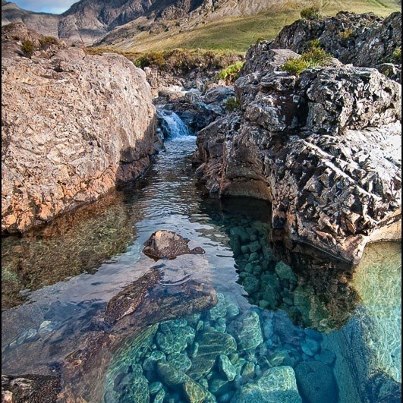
<point>231,73</point>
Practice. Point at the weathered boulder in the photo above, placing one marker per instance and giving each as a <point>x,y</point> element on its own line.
<point>74,126</point>
<point>168,245</point>
<point>360,39</point>
<point>323,147</point>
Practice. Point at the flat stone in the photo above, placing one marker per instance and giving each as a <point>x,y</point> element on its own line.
<point>226,368</point>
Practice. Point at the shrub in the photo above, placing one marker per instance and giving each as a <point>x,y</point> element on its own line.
<point>295,65</point>
<point>232,103</point>
<point>314,43</point>
<point>312,58</point>
<point>310,13</point>
<point>27,48</point>
<point>231,73</point>
<point>47,41</point>
<point>316,57</point>
<point>346,34</point>
<point>397,55</point>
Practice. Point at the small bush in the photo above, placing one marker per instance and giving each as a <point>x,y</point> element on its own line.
<point>314,43</point>
<point>312,58</point>
<point>295,65</point>
<point>346,34</point>
<point>231,73</point>
<point>47,41</point>
<point>232,104</point>
<point>397,55</point>
<point>316,57</point>
<point>310,13</point>
<point>27,48</point>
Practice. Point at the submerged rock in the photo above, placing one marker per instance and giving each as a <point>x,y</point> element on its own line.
<point>276,385</point>
<point>247,331</point>
<point>169,245</point>
<point>316,382</point>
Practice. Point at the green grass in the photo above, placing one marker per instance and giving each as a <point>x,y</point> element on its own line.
<point>236,34</point>
<point>231,73</point>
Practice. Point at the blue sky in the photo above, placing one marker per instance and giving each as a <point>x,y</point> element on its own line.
<point>48,6</point>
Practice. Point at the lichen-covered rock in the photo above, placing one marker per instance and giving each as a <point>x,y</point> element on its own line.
<point>324,148</point>
<point>169,245</point>
<point>74,126</point>
<point>277,384</point>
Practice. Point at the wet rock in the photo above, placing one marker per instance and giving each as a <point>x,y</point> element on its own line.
<point>211,345</point>
<point>284,272</point>
<point>169,375</point>
<point>155,387</point>
<point>326,356</point>
<point>226,368</point>
<point>250,284</point>
<point>247,331</point>
<point>160,396</point>
<point>248,370</point>
<point>316,382</point>
<point>179,361</point>
<point>152,359</point>
<point>276,385</point>
<point>174,336</point>
<point>219,386</point>
<point>168,245</point>
<point>194,392</point>
<point>220,310</point>
<point>310,347</point>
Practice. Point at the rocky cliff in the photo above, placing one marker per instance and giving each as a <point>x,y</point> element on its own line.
<point>74,126</point>
<point>323,147</point>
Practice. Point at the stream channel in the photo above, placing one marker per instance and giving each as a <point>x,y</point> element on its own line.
<point>236,324</point>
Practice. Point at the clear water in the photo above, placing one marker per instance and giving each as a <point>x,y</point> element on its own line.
<point>307,332</point>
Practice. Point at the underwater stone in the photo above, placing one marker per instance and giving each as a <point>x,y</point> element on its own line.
<point>250,284</point>
<point>221,325</point>
<point>211,345</point>
<point>194,392</point>
<point>194,349</point>
<point>232,310</point>
<point>220,310</point>
<point>326,356</point>
<point>310,347</point>
<point>254,246</point>
<point>248,370</point>
<point>247,331</point>
<point>284,272</point>
<point>253,257</point>
<point>240,232</point>
<point>138,387</point>
<point>245,249</point>
<point>169,375</point>
<point>155,387</point>
<point>152,359</point>
<point>276,385</point>
<point>160,396</point>
<point>249,268</point>
<point>219,386</point>
<point>179,361</point>
<point>316,382</point>
<point>174,336</point>
<point>226,368</point>
<point>264,304</point>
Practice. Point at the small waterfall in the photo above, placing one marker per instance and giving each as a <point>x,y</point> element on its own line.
<point>171,124</point>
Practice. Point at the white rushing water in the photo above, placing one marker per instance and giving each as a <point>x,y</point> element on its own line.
<point>172,125</point>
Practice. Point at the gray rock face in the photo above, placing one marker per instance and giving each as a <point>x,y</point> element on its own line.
<point>324,148</point>
<point>74,126</point>
<point>360,39</point>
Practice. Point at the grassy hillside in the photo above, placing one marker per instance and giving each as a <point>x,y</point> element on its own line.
<point>237,34</point>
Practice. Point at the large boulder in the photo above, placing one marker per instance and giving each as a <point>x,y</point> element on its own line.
<point>323,147</point>
<point>74,126</point>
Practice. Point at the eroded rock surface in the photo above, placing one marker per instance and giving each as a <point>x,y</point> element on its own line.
<point>74,126</point>
<point>324,147</point>
<point>168,245</point>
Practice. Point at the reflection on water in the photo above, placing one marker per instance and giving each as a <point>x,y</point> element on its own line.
<point>289,324</point>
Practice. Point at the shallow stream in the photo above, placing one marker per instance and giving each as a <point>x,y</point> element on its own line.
<point>286,330</point>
